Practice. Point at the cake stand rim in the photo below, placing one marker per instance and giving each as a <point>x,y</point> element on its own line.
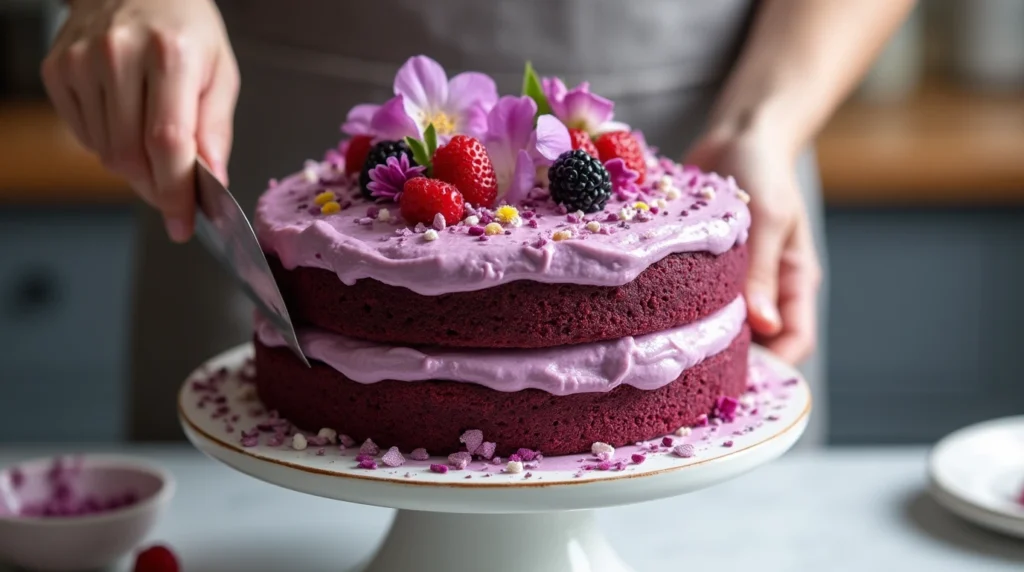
<point>799,423</point>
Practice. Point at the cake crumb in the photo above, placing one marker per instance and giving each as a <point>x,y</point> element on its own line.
<point>369,448</point>
<point>685,450</point>
<point>459,460</point>
<point>419,454</point>
<point>393,458</point>
<point>472,439</point>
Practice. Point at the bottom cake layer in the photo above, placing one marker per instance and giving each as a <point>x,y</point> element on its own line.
<point>432,414</point>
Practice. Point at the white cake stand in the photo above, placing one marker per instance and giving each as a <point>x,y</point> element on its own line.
<point>483,518</point>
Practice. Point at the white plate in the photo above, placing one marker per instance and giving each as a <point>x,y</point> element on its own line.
<point>978,473</point>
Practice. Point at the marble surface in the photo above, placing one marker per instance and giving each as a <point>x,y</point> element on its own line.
<point>833,510</point>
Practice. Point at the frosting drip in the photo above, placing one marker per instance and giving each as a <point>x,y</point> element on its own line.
<point>645,362</point>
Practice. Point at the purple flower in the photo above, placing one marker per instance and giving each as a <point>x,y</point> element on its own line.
<point>359,118</point>
<point>517,149</point>
<point>623,178</point>
<point>388,180</point>
<point>424,95</point>
<point>580,109</point>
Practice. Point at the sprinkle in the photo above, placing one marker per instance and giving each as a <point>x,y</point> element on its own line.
<point>368,464</point>
<point>666,442</point>
<point>471,220</point>
<point>685,451</point>
<point>329,434</point>
<point>493,228</point>
<point>320,452</point>
<point>459,460</point>
<point>309,174</point>
<point>638,458</point>
<point>683,431</point>
<point>325,197</point>
<point>743,196</point>
<point>594,226</point>
<point>640,205</point>
<point>299,442</point>
<point>369,448</point>
<point>702,421</point>
<point>572,218</point>
<point>419,454</point>
<point>496,461</point>
<point>672,194</point>
<point>384,215</point>
<point>604,466</point>
<point>725,408</point>
<point>661,204</point>
<point>420,228</point>
<point>627,213</point>
<point>430,235</point>
<point>393,458</point>
<point>508,214</point>
<point>526,454</point>
<point>602,451</point>
<point>560,235</point>
<point>727,444</point>
<point>514,457</point>
<point>330,207</point>
<point>664,183</point>
<point>346,441</point>
<point>486,449</point>
<point>472,439</point>
<point>439,468</point>
<point>251,438</point>
<point>476,230</point>
<point>439,222</point>
<point>514,467</point>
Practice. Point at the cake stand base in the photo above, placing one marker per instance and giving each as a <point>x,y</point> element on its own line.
<point>483,517</point>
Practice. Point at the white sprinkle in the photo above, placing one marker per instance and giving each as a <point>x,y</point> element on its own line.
<point>430,235</point>
<point>664,183</point>
<point>579,214</point>
<point>472,220</point>
<point>683,431</point>
<point>384,215</point>
<point>514,467</point>
<point>299,442</point>
<point>672,194</point>
<point>594,226</point>
<point>439,222</point>
<point>707,193</point>
<point>627,213</point>
<point>599,449</point>
<point>309,174</point>
<point>661,204</point>
<point>330,434</point>
<point>743,196</point>
<point>747,400</point>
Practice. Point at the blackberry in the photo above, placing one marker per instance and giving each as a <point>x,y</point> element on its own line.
<point>378,155</point>
<point>580,182</point>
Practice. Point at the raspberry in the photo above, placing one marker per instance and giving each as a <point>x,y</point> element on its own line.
<point>423,198</point>
<point>581,140</point>
<point>355,155</point>
<point>579,181</point>
<point>622,145</point>
<point>378,155</point>
<point>464,163</point>
<point>156,559</point>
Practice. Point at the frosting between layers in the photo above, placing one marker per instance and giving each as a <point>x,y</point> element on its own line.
<point>645,362</point>
<point>701,212</point>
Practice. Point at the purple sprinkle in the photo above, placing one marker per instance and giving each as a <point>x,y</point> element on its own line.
<point>496,461</point>
<point>727,444</point>
<point>320,452</point>
<point>532,223</point>
<point>790,382</point>
<point>368,464</point>
<point>638,458</point>
<point>527,215</point>
<point>251,438</point>
<point>419,454</point>
<point>572,218</point>
<point>526,454</point>
<point>702,421</point>
<point>361,458</point>
<point>439,468</point>
<point>666,442</point>
<point>604,465</point>
<point>725,408</point>
<point>515,458</point>
<point>345,441</point>
<point>772,417</point>
<point>685,451</point>
<point>369,448</point>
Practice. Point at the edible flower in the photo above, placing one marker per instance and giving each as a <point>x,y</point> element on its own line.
<point>623,178</point>
<point>579,109</point>
<point>517,149</point>
<point>388,180</point>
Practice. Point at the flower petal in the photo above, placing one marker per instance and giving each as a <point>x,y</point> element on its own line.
<point>423,82</point>
<point>469,90</point>
<point>522,179</point>
<point>358,120</point>
<point>511,120</point>
<point>391,122</point>
<point>586,110</point>
<point>474,122</point>
<point>555,91</point>
<point>549,140</point>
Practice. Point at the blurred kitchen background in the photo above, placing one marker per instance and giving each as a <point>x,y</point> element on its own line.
<point>924,181</point>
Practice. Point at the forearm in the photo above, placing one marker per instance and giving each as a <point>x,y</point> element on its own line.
<point>801,60</point>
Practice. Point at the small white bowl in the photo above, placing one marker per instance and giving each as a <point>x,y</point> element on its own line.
<point>69,543</point>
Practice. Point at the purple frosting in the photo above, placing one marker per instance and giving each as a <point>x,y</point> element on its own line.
<point>646,362</point>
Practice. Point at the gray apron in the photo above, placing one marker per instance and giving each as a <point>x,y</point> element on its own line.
<point>303,68</point>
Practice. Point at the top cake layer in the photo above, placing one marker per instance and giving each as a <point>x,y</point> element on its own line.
<point>678,210</point>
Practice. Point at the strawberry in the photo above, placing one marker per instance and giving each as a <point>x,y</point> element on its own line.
<point>355,155</point>
<point>156,559</point>
<point>422,199</point>
<point>581,140</point>
<point>464,163</point>
<point>622,145</point>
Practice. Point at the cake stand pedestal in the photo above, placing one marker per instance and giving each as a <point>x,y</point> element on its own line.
<point>483,518</point>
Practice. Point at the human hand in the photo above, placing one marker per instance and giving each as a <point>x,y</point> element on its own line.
<point>147,86</point>
<point>784,270</point>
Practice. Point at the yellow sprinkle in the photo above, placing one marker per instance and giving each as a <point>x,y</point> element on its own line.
<point>493,228</point>
<point>507,214</point>
<point>743,195</point>
<point>325,197</point>
<point>641,206</point>
<point>562,235</point>
<point>330,207</point>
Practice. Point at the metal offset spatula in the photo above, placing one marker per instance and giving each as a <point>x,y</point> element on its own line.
<point>222,227</point>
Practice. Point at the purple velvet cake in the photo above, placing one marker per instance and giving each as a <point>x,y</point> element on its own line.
<point>465,261</point>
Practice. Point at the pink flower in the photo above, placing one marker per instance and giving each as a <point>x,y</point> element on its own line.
<point>580,109</point>
<point>358,120</point>
<point>424,95</point>
<point>517,149</point>
<point>388,180</point>
<point>623,179</point>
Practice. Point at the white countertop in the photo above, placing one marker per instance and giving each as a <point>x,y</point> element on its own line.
<point>838,510</point>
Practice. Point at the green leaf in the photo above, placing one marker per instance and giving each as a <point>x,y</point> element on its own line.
<point>533,89</point>
<point>430,136</point>
<point>419,152</point>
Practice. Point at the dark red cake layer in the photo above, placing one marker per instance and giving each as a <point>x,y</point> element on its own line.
<point>432,414</point>
<point>677,290</point>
